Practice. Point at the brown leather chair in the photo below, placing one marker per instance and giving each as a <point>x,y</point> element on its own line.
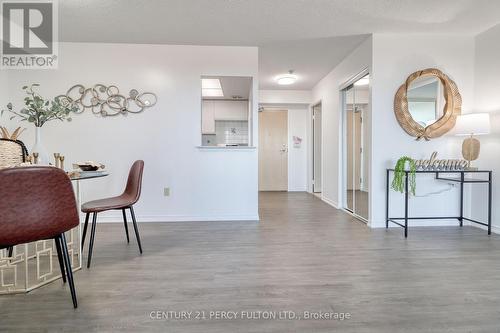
<point>38,203</point>
<point>12,153</point>
<point>122,202</point>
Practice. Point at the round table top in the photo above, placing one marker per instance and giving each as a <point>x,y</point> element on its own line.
<point>88,175</point>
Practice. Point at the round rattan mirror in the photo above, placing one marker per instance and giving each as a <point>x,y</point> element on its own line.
<point>427,104</point>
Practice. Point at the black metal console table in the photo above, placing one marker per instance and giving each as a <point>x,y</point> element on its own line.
<point>403,221</point>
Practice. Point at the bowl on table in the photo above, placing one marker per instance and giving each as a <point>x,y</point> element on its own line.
<point>88,166</point>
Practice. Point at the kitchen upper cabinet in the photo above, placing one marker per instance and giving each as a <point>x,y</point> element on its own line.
<point>208,117</point>
<point>231,110</point>
<point>213,110</point>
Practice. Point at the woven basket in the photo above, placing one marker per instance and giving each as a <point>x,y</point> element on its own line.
<point>12,153</point>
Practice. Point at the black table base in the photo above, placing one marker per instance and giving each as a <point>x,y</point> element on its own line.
<point>403,221</point>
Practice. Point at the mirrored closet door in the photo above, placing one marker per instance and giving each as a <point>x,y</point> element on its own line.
<point>355,108</point>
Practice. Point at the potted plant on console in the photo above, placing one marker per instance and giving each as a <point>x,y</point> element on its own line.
<point>398,183</point>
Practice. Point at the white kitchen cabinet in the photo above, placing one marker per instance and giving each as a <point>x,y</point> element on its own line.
<point>231,110</point>
<point>213,110</point>
<point>208,117</point>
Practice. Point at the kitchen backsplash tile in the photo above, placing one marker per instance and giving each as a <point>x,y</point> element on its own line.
<point>231,132</point>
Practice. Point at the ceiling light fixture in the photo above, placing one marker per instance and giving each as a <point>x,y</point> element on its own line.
<point>210,84</point>
<point>363,81</point>
<point>286,79</point>
<point>211,88</point>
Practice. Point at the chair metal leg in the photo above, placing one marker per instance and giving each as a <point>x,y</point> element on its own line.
<point>92,236</point>
<point>57,242</point>
<point>69,271</point>
<point>85,229</point>
<point>125,223</point>
<point>68,268</point>
<point>135,228</point>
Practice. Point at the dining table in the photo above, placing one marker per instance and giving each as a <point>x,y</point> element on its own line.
<point>35,264</point>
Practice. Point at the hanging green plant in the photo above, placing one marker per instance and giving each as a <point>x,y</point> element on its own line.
<point>398,183</point>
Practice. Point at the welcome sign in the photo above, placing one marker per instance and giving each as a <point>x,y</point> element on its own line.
<point>435,164</point>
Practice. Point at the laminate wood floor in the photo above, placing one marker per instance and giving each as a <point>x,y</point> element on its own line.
<point>303,256</point>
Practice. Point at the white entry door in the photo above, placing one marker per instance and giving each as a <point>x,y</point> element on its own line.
<point>273,151</point>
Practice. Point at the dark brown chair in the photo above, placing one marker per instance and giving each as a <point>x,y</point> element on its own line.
<point>12,153</point>
<point>122,202</point>
<point>38,203</point>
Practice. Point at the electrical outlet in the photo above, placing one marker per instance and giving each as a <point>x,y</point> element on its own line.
<point>166,191</point>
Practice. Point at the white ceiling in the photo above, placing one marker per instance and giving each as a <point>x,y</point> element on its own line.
<point>303,35</point>
<point>311,59</point>
<point>233,86</point>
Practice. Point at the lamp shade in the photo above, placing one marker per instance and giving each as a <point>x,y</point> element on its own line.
<point>473,124</point>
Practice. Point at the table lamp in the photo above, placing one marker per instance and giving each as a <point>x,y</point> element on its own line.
<point>472,124</point>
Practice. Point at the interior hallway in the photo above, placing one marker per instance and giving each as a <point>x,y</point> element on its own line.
<point>303,255</point>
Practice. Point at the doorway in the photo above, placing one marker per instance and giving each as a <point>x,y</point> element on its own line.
<point>355,108</point>
<point>317,150</point>
<point>273,150</point>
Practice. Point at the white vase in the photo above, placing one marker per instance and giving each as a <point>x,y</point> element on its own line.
<point>43,156</point>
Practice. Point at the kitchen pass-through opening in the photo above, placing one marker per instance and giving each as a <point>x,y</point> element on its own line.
<point>226,111</point>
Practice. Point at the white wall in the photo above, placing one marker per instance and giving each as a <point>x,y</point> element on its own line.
<point>205,185</point>
<point>487,99</point>
<point>3,93</point>
<point>297,156</point>
<point>285,97</point>
<point>328,92</point>
<point>394,58</point>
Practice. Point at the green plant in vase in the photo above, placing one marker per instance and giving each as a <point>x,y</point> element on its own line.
<point>38,111</point>
<point>398,183</point>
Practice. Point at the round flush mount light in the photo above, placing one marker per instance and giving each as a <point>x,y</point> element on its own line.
<point>286,79</point>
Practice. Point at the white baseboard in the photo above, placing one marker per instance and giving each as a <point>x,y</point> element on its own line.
<point>297,189</point>
<point>330,202</point>
<point>422,223</point>
<point>177,218</point>
<point>494,228</point>
<point>436,223</point>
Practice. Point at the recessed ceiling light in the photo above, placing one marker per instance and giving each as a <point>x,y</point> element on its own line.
<point>210,84</point>
<point>286,79</point>
<point>211,88</point>
<point>363,81</point>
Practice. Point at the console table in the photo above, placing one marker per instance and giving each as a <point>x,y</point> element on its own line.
<point>458,176</point>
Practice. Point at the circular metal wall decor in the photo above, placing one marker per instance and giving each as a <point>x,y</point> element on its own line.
<point>416,98</point>
<point>107,100</point>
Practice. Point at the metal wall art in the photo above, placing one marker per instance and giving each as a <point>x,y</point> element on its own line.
<point>107,100</point>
